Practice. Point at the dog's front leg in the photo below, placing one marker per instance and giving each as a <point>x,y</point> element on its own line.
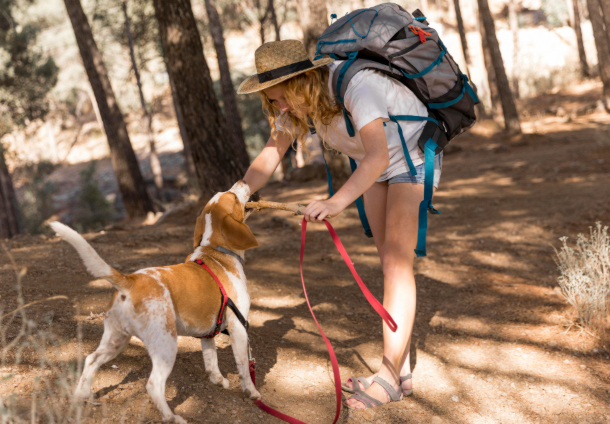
<point>210,359</point>
<point>239,344</point>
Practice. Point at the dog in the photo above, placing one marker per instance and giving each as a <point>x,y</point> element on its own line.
<point>158,304</point>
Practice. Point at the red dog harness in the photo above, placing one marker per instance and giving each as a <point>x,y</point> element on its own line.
<point>224,302</point>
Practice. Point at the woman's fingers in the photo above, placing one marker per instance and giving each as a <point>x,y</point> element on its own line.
<point>315,211</point>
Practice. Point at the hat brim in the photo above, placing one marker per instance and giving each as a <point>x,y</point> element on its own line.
<point>252,85</point>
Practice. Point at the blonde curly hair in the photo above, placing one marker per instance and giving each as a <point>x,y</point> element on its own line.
<point>309,90</point>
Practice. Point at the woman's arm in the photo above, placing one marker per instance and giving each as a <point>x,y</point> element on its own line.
<point>266,162</point>
<point>376,160</point>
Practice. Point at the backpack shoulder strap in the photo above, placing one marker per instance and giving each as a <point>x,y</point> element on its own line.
<point>357,66</point>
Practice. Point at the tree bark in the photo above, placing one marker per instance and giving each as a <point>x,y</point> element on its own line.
<point>313,17</point>
<point>273,17</point>
<point>220,158</point>
<point>584,66</point>
<point>155,163</point>
<point>462,31</point>
<point>131,184</point>
<point>191,172</point>
<point>494,96</point>
<point>509,110</point>
<point>514,27</point>
<point>602,46</point>
<point>10,222</point>
<point>228,92</point>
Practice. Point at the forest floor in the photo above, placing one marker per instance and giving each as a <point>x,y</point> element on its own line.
<point>491,342</point>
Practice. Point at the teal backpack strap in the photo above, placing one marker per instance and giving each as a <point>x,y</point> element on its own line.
<point>331,193</point>
<point>395,119</point>
<point>426,204</point>
<point>351,57</point>
<point>360,206</point>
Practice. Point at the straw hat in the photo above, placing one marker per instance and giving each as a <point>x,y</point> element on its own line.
<point>278,61</point>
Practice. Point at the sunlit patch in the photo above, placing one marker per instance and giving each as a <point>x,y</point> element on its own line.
<point>258,318</point>
<point>503,260</point>
<point>100,283</point>
<point>272,302</point>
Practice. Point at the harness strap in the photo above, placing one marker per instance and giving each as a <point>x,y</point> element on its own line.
<point>426,204</point>
<point>224,302</point>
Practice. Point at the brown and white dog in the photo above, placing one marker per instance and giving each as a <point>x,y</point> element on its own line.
<point>158,304</point>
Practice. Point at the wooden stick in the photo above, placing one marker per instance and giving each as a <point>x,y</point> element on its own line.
<point>295,208</point>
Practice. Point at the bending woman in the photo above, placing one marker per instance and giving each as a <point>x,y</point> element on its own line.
<point>295,91</point>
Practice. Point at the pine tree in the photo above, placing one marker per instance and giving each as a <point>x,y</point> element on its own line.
<point>509,110</point>
<point>219,157</point>
<point>124,162</point>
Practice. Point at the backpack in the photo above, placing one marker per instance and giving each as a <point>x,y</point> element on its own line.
<point>389,39</point>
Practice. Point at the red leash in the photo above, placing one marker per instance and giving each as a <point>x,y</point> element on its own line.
<point>333,358</point>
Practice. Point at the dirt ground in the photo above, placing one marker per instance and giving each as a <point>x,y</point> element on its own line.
<point>490,344</point>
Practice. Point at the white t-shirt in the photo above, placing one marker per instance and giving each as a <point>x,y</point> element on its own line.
<point>371,95</point>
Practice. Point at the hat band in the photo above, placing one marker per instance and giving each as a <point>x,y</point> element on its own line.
<point>283,71</point>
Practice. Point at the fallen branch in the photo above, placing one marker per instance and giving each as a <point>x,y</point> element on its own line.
<point>33,303</point>
<point>295,208</point>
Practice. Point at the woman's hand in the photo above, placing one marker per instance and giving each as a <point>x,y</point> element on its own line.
<point>317,210</point>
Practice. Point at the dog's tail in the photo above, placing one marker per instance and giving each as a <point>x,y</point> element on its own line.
<point>94,264</point>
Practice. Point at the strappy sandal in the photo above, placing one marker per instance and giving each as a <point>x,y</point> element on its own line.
<point>356,381</point>
<point>405,392</point>
<point>371,402</point>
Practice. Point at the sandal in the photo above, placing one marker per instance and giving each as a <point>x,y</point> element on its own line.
<point>371,402</point>
<point>356,384</point>
<point>356,381</point>
<point>405,392</point>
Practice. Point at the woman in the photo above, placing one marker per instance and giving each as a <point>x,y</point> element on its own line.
<point>295,92</point>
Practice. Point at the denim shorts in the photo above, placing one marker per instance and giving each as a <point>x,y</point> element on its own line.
<point>406,177</point>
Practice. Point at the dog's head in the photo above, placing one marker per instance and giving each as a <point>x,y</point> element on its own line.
<point>221,223</point>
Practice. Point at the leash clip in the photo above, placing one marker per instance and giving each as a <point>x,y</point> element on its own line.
<point>250,357</point>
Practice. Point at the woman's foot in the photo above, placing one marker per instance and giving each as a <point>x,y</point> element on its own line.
<point>378,393</point>
<point>406,386</point>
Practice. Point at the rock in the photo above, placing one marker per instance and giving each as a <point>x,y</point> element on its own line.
<point>222,411</point>
<point>455,398</point>
<point>436,420</point>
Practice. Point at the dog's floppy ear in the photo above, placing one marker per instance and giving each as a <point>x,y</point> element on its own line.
<point>237,234</point>
<point>199,230</point>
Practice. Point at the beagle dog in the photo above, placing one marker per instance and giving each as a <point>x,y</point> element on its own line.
<point>158,304</point>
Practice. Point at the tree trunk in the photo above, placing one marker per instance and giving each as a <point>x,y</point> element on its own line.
<point>155,163</point>
<point>220,158</point>
<point>273,16</point>
<point>313,17</point>
<point>605,6</point>
<point>10,222</point>
<point>511,117</point>
<point>602,45</point>
<point>191,172</point>
<point>462,31</point>
<point>131,184</point>
<point>494,96</point>
<point>514,27</point>
<point>584,67</point>
<point>228,92</point>
<point>261,19</point>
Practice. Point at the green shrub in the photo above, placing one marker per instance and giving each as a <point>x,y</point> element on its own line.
<point>93,209</point>
<point>37,205</point>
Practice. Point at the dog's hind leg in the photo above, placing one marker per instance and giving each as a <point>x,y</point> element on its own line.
<point>112,344</point>
<point>210,359</point>
<point>239,344</point>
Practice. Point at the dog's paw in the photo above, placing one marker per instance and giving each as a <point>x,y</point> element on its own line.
<point>254,395</point>
<point>179,420</point>
<point>175,419</point>
<point>225,383</point>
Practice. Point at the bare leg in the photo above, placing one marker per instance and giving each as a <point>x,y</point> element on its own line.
<point>397,256</point>
<point>112,344</point>
<point>210,359</point>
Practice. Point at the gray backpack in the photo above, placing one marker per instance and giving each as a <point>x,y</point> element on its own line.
<point>389,39</point>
